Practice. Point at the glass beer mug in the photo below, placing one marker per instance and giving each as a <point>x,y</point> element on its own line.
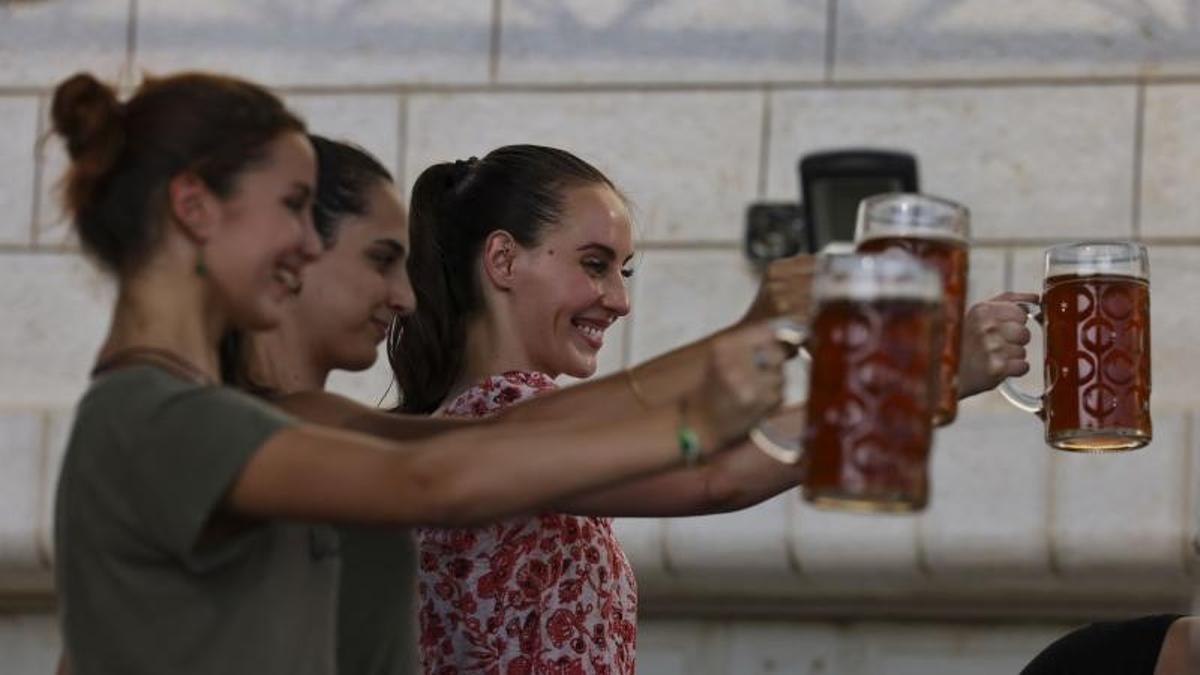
<point>935,231</point>
<point>1095,316</point>
<point>874,340</point>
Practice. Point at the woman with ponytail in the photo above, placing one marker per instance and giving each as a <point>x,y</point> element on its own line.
<point>187,523</point>
<point>519,266</point>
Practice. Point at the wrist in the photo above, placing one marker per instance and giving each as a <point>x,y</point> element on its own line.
<point>968,383</point>
<point>693,424</point>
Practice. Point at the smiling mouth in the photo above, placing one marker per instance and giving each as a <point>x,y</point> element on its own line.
<point>289,279</point>
<point>381,327</point>
<point>592,334</point>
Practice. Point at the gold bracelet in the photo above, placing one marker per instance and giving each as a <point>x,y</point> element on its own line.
<point>637,391</point>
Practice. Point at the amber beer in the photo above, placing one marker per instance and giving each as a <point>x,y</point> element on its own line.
<point>1095,312</point>
<point>870,406</point>
<point>874,340</point>
<point>1097,361</point>
<point>949,257</point>
<point>935,231</point>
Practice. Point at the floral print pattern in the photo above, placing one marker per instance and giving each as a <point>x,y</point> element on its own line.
<point>551,594</point>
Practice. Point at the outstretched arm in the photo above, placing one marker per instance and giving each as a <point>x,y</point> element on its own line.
<point>737,478</point>
<point>484,472</point>
<point>993,349</point>
<point>783,291</point>
<point>336,411</point>
<point>734,479</point>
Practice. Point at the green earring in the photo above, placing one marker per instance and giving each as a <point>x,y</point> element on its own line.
<point>201,268</point>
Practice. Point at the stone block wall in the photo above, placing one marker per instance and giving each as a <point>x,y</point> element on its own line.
<point>1053,121</point>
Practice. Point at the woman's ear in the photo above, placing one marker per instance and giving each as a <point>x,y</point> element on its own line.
<point>499,256</point>
<point>192,205</point>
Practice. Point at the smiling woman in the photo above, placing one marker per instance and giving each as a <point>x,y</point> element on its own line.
<point>192,520</point>
<point>520,265</point>
<point>544,292</point>
<point>350,295</point>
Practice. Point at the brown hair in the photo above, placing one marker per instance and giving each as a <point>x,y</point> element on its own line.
<point>455,206</point>
<point>123,154</point>
<point>345,175</point>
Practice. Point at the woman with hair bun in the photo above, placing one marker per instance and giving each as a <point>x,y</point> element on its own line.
<point>185,516</point>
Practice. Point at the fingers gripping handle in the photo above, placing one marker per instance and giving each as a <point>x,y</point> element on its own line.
<point>1015,395</point>
<point>775,444</point>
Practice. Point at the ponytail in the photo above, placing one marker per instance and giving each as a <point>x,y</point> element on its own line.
<point>428,353</point>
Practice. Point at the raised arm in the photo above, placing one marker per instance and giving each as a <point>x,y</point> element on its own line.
<point>485,472</point>
<point>740,477</point>
<point>993,348</point>
<point>734,479</point>
<point>783,291</point>
<point>332,410</point>
<point>994,339</point>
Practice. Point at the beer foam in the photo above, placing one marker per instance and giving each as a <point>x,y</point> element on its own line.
<point>903,214</point>
<point>1091,258</point>
<point>890,275</point>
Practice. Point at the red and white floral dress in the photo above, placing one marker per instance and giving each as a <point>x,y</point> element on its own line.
<point>550,594</point>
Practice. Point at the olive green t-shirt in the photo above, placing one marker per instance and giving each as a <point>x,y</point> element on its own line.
<point>149,581</point>
<point>377,615</point>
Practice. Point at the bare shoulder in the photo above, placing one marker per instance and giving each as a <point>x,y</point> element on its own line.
<point>1180,653</point>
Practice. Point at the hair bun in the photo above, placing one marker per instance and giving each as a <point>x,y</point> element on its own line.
<point>87,114</point>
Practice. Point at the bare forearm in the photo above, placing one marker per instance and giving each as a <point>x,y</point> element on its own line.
<point>397,427</point>
<point>784,292</point>
<point>746,476</point>
<point>659,381</point>
<point>516,467</point>
<point>665,378</point>
<point>332,410</point>
<point>463,477</point>
<point>484,472</point>
<point>738,478</point>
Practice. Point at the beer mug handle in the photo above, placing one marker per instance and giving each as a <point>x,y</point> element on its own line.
<point>1015,395</point>
<point>776,446</point>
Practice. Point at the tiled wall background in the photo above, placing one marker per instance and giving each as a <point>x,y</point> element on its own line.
<point>1053,121</point>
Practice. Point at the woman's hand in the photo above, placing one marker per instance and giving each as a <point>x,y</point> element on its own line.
<point>743,381</point>
<point>993,343</point>
<point>785,289</point>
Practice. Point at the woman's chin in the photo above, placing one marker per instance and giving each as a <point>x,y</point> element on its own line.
<point>580,370</point>
<point>263,317</point>
<point>362,360</point>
